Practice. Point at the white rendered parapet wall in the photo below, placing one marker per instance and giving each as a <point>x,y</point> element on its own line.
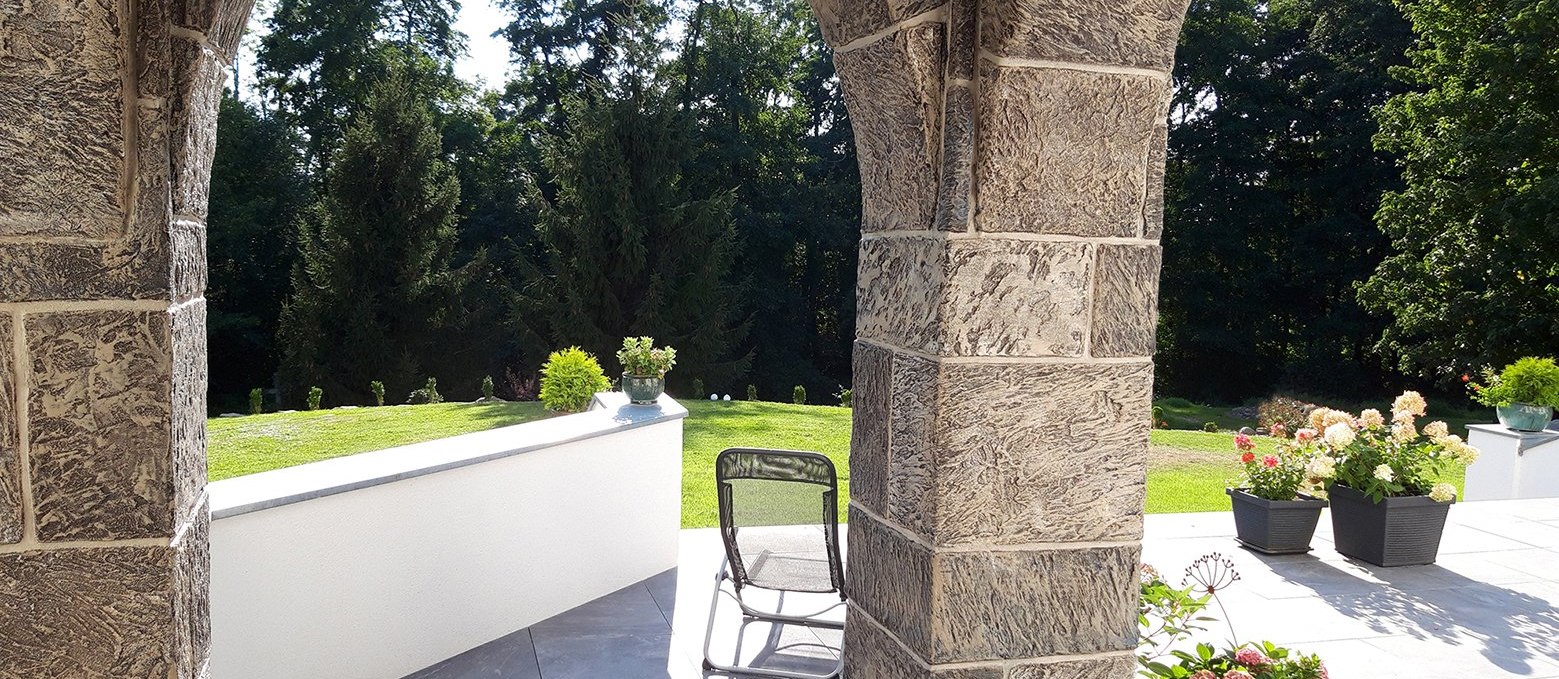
<point>1513,464</point>
<point>377,565</point>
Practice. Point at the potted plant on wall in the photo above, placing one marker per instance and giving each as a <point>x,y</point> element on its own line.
<point>644,368</point>
<point>1386,507</point>
<point>1272,514</point>
<point>1523,395</point>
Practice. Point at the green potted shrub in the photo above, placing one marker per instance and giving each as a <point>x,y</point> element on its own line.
<point>644,369</point>
<point>1523,395</point>
<point>1386,508</point>
<point>570,379</point>
<point>1272,513</point>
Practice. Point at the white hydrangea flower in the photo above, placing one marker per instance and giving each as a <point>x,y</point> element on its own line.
<point>1371,419</point>
<point>1337,417</point>
<point>1443,492</point>
<point>1436,429</point>
<point>1410,402</point>
<point>1338,435</point>
<point>1322,466</point>
<point>1404,431</point>
<point>1384,473</point>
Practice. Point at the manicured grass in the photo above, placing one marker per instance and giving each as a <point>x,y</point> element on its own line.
<point>1183,414</point>
<point>257,443</point>
<point>1187,470</point>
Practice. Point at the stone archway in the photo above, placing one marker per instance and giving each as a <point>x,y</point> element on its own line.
<point>1011,157</point>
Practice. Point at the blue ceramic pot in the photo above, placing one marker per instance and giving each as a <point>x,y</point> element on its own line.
<point>643,390</point>
<point>1524,416</point>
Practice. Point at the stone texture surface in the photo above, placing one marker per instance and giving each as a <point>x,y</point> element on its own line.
<point>869,434</point>
<point>875,655</point>
<point>222,21</point>
<point>1015,298</point>
<point>187,415</point>
<point>898,291</point>
<point>1041,452</point>
<point>956,192</point>
<point>961,36</point>
<point>912,470</point>
<point>894,90</point>
<point>86,613</point>
<point>153,68</point>
<point>1125,310</point>
<point>187,255</point>
<point>191,601</point>
<point>193,124</point>
<point>1116,667</point>
<point>842,21</point>
<point>890,578</point>
<point>98,407</point>
<point>1031,604</point>
<point>1134,33</point>
<point>64,110</point>
<point>1153,202</point>
<point>1063,151</point>
<point>10,460</point>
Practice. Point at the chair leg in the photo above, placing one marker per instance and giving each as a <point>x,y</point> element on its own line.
<point>710,665</point>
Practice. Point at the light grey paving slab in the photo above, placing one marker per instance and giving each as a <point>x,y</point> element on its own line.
<point>1406,657</point>
<point>1494,568</point>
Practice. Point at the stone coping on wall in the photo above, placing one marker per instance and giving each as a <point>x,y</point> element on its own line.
<point>1528,439</point>
<point>610,413</point>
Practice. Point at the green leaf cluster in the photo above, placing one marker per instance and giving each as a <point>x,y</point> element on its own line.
<point>1529,380</point>
<point>570,379</point>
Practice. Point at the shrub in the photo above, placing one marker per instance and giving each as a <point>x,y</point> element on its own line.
<point>487,387</point>
<point>1158,418</point>
<point>316,395</point>
<point>377,388</point>
<point>427,394</point>
<point>570,379</point>
<point>256,401</point>
<point>844,396</point>
<point>1290,412</point>
<point>1529,380</point>
<point>1210,426</point>
<point>640,358</point>
<point>698,388</point>
<point>521,386</point>
<point>1384,458</point>
<point>798,395</point>
<point>752,392</point>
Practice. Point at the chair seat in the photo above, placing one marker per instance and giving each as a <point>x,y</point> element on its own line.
<point>793,558</point>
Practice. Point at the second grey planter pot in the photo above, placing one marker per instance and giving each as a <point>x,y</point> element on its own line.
<point>643,390</point>
<point>1275,526</point>
<point>1397,531</point>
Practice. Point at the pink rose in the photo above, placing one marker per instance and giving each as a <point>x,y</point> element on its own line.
<point>1269,461</point>
<point>1242,442</point>
<point>1237,674</point>
<point>1251,657</point>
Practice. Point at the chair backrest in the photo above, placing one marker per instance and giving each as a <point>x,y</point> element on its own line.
<point>779,519</point>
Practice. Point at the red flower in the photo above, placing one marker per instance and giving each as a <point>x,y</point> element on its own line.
<point>1247,457</point>
<point>1465,378</point>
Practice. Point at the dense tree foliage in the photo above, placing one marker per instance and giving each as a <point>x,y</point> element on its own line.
<point>1475,276</point>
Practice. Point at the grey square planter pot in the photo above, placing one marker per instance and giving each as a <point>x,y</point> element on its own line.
<point>1397,531</point>
<point>1274,526</point>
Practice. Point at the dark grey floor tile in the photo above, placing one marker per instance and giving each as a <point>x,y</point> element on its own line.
<point>628,610</point>
<point>508,657</point>
<point>570,654</point>
<point>663,588</point>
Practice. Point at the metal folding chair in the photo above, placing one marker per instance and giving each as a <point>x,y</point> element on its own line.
<point>779,520</point>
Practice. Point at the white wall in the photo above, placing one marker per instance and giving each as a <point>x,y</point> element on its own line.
<point>1512,464</point>
<point>380,581</point>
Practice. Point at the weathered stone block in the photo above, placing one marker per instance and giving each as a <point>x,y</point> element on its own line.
<point>1134,33</point>
<point>974,297</point>
<point>1063,151</point>
<point>187,255</point>
<point>875,655</point>
<point>952,208</point>
<point>961,37</point>
<point>869,436</point>
<point>1125,311</point>
<point>187,414</point>
<point>1032,452</point>
<point>191,601</point>
<point>1034,603</point>
<point>894,91</point>
<point>99,410</point>
<point>1109,667</point>
<point>1153,203</point>
<point>10,460</point>
<point>152,60</point>
<point>198,75</point>
<point>64,134</point>
<point>912,457</point>
<point>842,21</point>
<point>86,613</point>
<point>890,579</point>
<point>222,21</point>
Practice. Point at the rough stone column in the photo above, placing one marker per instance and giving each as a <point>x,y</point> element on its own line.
<point>1011,160</point>
<point>107,128</point>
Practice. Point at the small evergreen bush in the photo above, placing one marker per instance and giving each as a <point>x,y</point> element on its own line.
<point>377,388</point>
<point>845,397</point>
<point>316,395</point>
<point>487,388</point>
<point>799,395</point>
<point>1210,427</point>
<point>752,392</point>
<point>256,401</point>
<point>698,388</point>
<point>570,379</point>
<point>1529,380</point>
<point>427,394</point>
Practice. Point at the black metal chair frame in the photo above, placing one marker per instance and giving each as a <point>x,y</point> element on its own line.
<point>733,571</point>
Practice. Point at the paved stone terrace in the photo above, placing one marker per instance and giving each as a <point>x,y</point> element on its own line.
<point>1488,609</point>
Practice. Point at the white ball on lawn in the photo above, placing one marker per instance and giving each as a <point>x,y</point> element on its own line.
<point>727,397</point>
<point>714,397</point>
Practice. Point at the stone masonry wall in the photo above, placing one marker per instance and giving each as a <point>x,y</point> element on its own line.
<point>1012,159</point>
<point>107,129</point>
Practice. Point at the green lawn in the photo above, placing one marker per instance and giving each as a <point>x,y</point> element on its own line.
<point>1187,470</point>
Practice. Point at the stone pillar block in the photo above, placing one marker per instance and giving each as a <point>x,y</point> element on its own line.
<point>10,453</point>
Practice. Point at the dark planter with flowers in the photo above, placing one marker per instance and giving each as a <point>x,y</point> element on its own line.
<point>1275,526</point>
<point>643,389</point>
<point>644,369</point>
<point>1397,531</point>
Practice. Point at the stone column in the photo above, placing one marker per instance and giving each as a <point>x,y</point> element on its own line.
<point>1012,159</point>
<point>107,128</point>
